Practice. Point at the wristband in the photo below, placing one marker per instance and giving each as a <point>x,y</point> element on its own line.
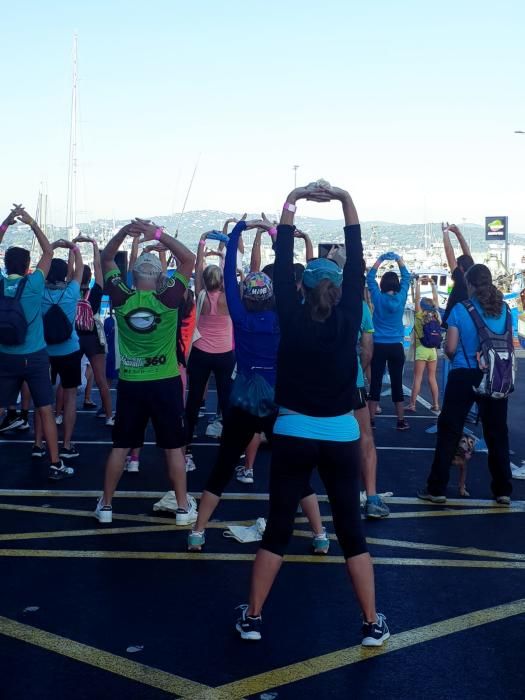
<point>272,231</point>
<point>289,207</point>
<point>3,228</point>
<point>202,242</point>
<point>75,249</point>
<point>158,234</point>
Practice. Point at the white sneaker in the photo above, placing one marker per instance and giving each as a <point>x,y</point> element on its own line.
<point>214,429</point>
<point>110,422</point>
<point>104,514</point>
<point>131,465</point>
<point>189,516</point>
<point>168,503</point>
<point>190,464</point>
<point>245,476</point>
<point>59,419</point>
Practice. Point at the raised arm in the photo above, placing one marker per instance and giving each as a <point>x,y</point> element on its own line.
<point>417,301</point>
<point>76,256</point>
<point>10,219</point>
<point>449,249</point>
<point>231,288</point>
<point>47,251</point>
<point>107,257</point>
<point>134,254</point>
<point>373,287</point>
<point>405,276</point>
<point>435,298</point>
<point>199,265</point>
<point>152,232</point>
<point>462,242</point>
<point>309,249</point>
<point>255,259</point>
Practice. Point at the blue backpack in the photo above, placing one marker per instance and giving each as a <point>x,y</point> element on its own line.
<point>431,337</point>
<point>13,322</point>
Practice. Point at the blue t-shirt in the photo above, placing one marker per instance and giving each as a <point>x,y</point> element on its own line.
<point>343,428</point>
<point>388,308</point>
<point>31,302</point>
<point>366,327</point>
<point>67,298</point>
<point>468,335</point>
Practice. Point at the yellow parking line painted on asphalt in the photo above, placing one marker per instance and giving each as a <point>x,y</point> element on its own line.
<point>345,657</point>
<point>228,556</point>
<point>103,660</point>
<point>469,551</point>
<point>443,513</point>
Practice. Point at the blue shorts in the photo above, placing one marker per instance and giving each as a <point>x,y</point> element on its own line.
<point>32,368</point>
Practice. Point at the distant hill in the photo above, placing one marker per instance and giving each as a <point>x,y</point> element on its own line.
<point>194,223</point>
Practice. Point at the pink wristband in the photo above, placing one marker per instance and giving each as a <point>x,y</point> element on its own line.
<point>272,231</point>
<point>158,234</point>
<point>289,207</point>
<point>3,228</point>
<point>75,249</point>
<point>202,241</point>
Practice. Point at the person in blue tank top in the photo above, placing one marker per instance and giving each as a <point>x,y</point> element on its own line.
<point>389,298</point>
<point>462,346</point>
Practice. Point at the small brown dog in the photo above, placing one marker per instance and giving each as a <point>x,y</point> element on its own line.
<point>464,452</point>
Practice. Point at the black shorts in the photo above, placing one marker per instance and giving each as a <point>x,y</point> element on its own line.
<point>67,367</point>
<point>138,402</point>
<point>90,345</point>
<point>32,368</point>
<point>359,400</point>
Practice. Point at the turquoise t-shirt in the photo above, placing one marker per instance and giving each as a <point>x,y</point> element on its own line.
<point>31,301</point>
<point>366,327</point>
<point>343,428</point>
<point>68,298</point>
<point>468,344</point>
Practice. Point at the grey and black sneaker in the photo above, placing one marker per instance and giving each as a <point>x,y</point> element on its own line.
<point>25,425</point>
<point>375,633</point>
<point>424,495</point>
<point>376,508</point>
<point>402,425</point>
<point>248,627</point>
<point>503,500</point>
<point>69,452</point>
<point>10,422</point>
<point>59,471</point>
<point>38,451</point>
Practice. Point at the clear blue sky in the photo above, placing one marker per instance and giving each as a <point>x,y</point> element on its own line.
<point>410,105</point>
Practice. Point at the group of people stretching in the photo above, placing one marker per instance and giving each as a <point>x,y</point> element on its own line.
<point>263,336</point>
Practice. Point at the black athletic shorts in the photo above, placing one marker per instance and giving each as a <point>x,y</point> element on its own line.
<point>67,367</point>
<point>359,400</point>
<point>159,401</point>
<point>32,368</point>
<point>90,345</point>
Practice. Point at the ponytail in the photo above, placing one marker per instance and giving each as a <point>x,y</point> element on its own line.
<point>321,299</point>
<point>490,298</point>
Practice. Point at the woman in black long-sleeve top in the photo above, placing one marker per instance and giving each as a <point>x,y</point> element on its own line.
<point>316,379</point>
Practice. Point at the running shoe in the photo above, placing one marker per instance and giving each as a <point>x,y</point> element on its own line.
<point>25,425</point>
<point>167,503</point>
<point>320,543</point>
<point>248,627</point>
<point>104,514</point>
<point>131,464</point>
<point>69,452</point>
<point>403,425</point>
<point>375,633</point>
<point>187,516</point>
<point>379,410</point>
<point>196,541</point>
<point>410,408</point>
<point>38,451</point>
<point>190,464</point>
<point>214,429</point>
<point>110,422</point>
<point>59,419</point>
<point>89,405</point>
<point>424,495</point>
<point>435,409</point>
<point>59,471</point>
<point>101,413</point>
<point>10,423</point>
<point>376,508</point>
<point>245,476</point>
<point>503,500</point>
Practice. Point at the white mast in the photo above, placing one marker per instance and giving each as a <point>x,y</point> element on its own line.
<point>71,216</point>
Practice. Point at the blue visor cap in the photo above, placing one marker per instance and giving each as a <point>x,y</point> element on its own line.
<point>322,269</point>
<point>426,306</point>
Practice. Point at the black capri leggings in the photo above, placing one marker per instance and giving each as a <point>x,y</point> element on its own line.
<point>200,365</point>
<point>238,429</point>
<point>293,460</point>
<point>393,355</point>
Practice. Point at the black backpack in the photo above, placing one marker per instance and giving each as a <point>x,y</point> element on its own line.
<point>13,322</point>
<point>57,327</point>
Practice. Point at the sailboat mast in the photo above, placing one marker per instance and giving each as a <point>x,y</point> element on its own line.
<point>72,179</point>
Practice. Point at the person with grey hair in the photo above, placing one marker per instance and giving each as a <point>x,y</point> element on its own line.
<point>149,384</point>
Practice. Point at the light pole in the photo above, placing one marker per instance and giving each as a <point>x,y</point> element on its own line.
<point>295,169</point>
